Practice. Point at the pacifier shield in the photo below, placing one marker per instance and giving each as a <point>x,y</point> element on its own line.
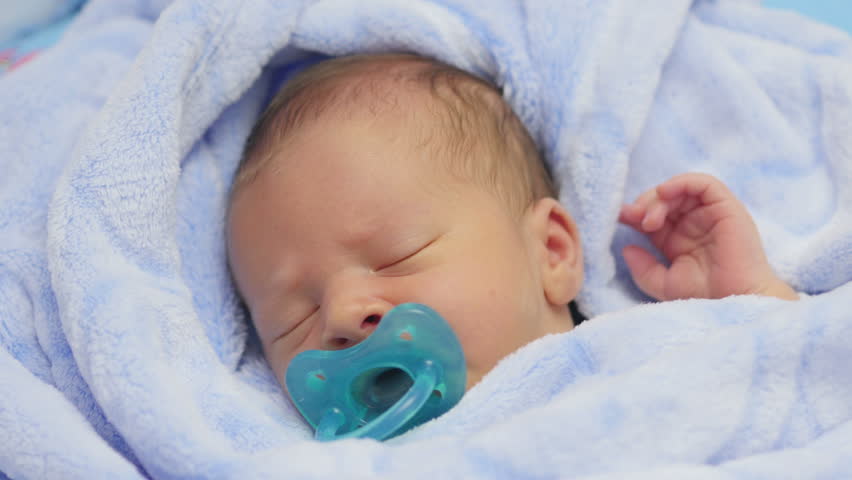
<point>410,370</point>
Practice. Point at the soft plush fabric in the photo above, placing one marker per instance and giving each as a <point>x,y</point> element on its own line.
<point>26,28</point>
<point>123,349</point>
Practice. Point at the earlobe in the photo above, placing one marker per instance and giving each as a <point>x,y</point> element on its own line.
<point>561,258</point>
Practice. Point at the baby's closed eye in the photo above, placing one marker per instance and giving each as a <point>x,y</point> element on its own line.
<point>295,323</point>
<point>408,262</point>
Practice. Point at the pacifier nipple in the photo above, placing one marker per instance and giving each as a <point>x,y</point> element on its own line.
<point>410,370</point>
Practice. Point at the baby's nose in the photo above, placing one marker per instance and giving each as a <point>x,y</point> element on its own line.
<point>349,324</point>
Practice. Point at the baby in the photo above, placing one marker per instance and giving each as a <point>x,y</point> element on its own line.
<point>376,180</point>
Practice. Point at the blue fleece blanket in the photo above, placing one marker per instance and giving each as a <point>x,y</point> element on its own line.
<point>123,349</point>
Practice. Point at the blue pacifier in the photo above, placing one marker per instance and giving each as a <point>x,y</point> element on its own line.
<point>410,370</point>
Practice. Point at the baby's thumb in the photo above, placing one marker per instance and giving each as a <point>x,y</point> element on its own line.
<point>648,274</point>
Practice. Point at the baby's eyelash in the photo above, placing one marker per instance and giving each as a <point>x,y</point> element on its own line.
<point>411,255</point>
<point>296,325</point>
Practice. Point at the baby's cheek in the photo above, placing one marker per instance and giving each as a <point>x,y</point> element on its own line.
<point>278,366</point>
<point>278,359</point>
<point>479,311</point>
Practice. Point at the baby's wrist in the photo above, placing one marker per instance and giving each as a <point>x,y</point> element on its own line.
<point>779,289</point>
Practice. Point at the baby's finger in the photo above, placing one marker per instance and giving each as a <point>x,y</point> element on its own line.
<point>631,215</point>
<point>687,205</point>
<point>656,217</point>
<point>635,214</point>
<point>705,188</point>
<point>648,274</point>
<point>647,198</point>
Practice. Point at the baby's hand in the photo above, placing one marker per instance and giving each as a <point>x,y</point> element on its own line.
<point>707,235</point>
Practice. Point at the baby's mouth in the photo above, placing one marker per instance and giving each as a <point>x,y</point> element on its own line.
<point>409,370</point>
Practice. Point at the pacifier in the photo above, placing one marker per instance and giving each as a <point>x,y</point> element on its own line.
<point>410,370</point>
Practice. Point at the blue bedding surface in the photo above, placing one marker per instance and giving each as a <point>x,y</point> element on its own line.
<point>125,353</point>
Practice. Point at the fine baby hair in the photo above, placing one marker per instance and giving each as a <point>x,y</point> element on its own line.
<point>476,137</point>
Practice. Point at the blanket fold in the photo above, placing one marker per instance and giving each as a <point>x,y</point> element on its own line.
<point>124,351</point>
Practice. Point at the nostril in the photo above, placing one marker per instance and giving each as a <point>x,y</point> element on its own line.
<point>371,321</point>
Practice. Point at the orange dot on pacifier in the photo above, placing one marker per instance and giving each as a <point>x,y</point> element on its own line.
<point>316,380</point>
<point>406,335</point>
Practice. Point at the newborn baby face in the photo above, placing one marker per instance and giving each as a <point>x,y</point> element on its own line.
<point>352,219</point>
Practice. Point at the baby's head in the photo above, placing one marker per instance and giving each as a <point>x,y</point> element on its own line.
<point>372,181</point>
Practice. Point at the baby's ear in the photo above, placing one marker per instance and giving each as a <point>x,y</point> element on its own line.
<point>560,256</point>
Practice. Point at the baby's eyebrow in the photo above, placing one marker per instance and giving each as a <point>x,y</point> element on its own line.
<point>286,278</point>
<point>365,230</point>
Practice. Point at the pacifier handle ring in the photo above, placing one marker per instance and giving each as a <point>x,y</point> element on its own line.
<point>391,419</point>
